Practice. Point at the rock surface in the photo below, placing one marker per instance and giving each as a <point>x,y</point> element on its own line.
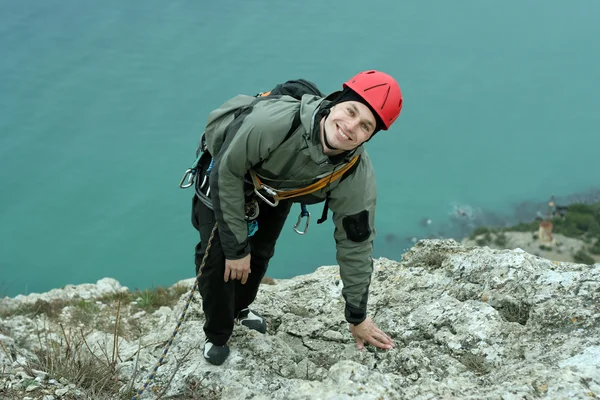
<point>468,322</point>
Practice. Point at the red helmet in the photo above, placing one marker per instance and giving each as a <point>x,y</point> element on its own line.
<point>381,91</point>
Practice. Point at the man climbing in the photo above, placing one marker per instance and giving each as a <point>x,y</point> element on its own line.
<point>249,174</point>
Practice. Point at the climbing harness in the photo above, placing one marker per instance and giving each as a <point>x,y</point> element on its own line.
<point>277,194</point>
<point>266,193</point>
<point>271,196</point>
<point>160,361</point>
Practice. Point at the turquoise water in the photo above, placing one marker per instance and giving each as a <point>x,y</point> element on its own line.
<point>102,104</point>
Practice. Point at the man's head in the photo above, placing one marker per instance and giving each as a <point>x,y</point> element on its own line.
<point>369,102</point>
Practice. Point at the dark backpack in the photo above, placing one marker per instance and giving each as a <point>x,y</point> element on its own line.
<point>296,89</point>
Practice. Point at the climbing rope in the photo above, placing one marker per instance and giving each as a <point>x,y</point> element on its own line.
<point>181,318</point>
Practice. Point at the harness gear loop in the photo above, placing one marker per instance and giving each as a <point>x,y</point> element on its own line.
<point>138,395</point>
<point>277,194</point>
<point>303,213</point>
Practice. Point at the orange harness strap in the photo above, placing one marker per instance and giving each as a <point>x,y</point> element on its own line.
<point>277,194</point>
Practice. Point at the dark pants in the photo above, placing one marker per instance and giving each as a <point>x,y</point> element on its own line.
<point>221,301</point>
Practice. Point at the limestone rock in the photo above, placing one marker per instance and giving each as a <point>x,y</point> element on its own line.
<point>468,322</point>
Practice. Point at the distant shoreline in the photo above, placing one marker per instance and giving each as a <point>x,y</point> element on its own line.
<point>562,248</point>
<point>568,232</point>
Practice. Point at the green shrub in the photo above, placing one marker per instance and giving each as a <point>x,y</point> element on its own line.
<point>524,227</point>
<point>152,299</point>
<point>595,249</point>
<point>577,225</point>
<point>582,257</point>
<point>581,208</point>
<point>479,231</point>
<point>580,221</point>
<point>500,239</point>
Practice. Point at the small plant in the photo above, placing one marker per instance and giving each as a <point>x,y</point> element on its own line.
<point>484,238</point>
<point>524,227</point>
<point>481,242</point>
<point>582,257</point>
<point>84,312</point>
<point>434,259</point>
<point>595,248</point>
<point>500,239</point>
<point>51,309</point>
<point>513,311</point>
<point>479,231</point>
<point>27,382</point>
<point>152,299</point>
<point>201,390</point>
<point>474,363</point>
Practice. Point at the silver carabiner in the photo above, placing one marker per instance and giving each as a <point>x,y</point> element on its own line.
<point>305,226</point>
<point>270,192</point>
<point>190,175</point>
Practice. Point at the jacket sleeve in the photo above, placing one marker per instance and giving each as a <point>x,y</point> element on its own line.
<point>249,139</point>
<point>353,204</point>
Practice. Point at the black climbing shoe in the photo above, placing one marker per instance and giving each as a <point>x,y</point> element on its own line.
<point>216,355</point>
<point>252,320</point>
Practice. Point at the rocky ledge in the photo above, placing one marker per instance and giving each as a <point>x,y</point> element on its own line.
<point>468,322</point>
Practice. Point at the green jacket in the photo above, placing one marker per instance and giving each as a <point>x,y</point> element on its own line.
<point>257,136</point>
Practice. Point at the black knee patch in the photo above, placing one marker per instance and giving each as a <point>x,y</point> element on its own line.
<point>357,226</point>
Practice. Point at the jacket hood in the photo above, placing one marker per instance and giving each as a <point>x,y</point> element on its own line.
<point>312,110</point>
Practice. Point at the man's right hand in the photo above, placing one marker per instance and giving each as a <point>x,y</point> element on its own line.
<point>367,332</point>
<point>237,269</point>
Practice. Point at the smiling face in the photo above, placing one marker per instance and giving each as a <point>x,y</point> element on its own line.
<point>348,125</point>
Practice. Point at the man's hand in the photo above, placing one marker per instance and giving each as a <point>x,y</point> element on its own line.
<point>237,269</point>
<point>366,331</point>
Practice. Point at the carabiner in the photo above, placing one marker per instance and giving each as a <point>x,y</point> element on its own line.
<point>252,209</point>
<point>306,214</point>
<point>270,192</point>
<point>190,174</point>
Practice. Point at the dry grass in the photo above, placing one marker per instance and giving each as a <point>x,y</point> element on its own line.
<point>71,358</point>
<point>474,363</point>
<point>66,355</point>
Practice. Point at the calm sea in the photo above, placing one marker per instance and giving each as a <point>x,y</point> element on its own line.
<point>102,104</point>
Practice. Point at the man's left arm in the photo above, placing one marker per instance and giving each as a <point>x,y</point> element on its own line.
<point>353,204</point>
